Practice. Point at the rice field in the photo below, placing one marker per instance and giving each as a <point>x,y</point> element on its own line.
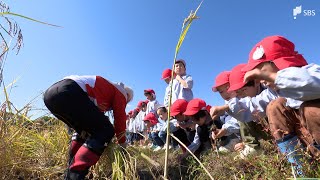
<point>38,149</point>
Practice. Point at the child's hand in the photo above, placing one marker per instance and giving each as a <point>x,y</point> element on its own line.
<point>183,126</point>
<point>215,133</point>
<point>216,111</point>
<point>260,75</point>
<point>239,146</point>
<point>178,77</point>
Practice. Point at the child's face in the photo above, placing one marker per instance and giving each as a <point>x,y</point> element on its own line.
<point>144,108</point>
<point>167,80</point>
<point>268,67</point>
<point>223,90</point>
<point>147,123</point>
<point>250,91</point>
<point>180,69</point>
<point>180,117</point>
<point>199,121</point>
<point>162,115</point>
<point>148,96</point>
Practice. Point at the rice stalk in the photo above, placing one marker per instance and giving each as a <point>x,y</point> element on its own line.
<point>28,18</point>
<point>187,21</point>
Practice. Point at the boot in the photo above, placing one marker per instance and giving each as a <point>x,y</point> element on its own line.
<point>288,146</point>
<point>76,175</point>
<point>76,143</point>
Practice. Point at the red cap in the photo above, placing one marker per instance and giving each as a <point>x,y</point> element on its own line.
<point>194,106</point>
<point>179,106</point>
<point>151,91</point>
<point>146,101</point>
<point>166,74</point>
<point>152,118</point>
<point>181,61</point>
<point>277,49</point>
<point>221,79</point>
<point>137,109</point>
<point>236,77</point>
<point>208,107</point>
<point>140,103</point>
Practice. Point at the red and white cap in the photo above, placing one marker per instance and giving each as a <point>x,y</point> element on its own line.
<point>166,74</point>
<point>151,91</point>
<point>277,49</point>
<point>152,118</point>
<point>179,106</point>
<point>194,106</point>
<point>221,79</point>
<point>236,77</point>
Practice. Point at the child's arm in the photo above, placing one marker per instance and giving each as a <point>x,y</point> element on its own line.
<point>261,75</point>
<point>217,111</point>
<point>186,83</point>
<point>219,133</point>
<point>293,82</point>
<point>193,146</point>
<point>251,108</point>
<point>299,83</point>
<point>231,125</point>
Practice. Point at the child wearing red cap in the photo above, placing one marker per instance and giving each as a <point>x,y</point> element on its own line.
<point>132,127</point>
<point>129,127</point>
<point>186,131</point>
<point>251,131</point>
<point>153,103</point>
<point>197,110</point>
<point>222,85</point>
<point>152,124</point>
<point>80,102</point>
<point>166,76</point>
<point>182,84</point>
<point>249,109</point>
<point>139,123</point>
<point>163,115</point>
<point>230,125</point>
<point>283,113</point>
<point>275,62</point>
<point>135,123</point>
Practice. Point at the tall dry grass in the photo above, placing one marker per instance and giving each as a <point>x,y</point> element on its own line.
<point>38,150</point>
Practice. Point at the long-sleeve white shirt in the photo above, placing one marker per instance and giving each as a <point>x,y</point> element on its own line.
<point>299,83</point>
<point>139,123</point>
<point>230,124</point>
<point>167,96</point>
<point>180,92</point>
<point>253,108</point>
<point>152,106</point>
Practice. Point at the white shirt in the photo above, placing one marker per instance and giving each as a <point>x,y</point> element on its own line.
<point>299,83</point>
<point>180,92</point>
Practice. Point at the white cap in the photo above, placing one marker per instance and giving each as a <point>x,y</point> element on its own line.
<point>129,92</point>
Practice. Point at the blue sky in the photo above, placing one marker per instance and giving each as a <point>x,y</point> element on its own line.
<point>134,41</point>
